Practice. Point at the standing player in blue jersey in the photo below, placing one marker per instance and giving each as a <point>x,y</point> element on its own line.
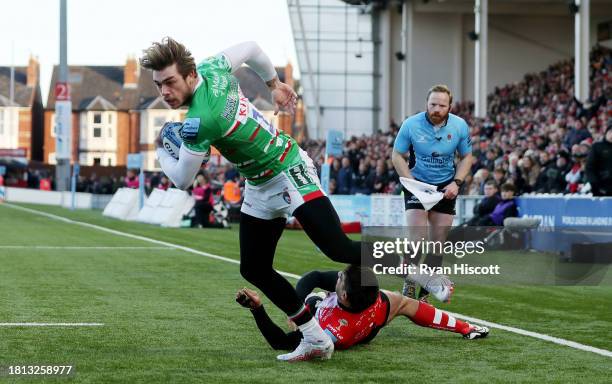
<point>432,139</point>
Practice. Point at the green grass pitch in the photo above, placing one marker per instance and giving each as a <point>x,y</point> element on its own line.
<point>170,316</point>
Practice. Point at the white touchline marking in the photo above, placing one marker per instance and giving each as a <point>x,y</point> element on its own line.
<point>76,247</point>
<point>51,324</point>
<point>541,336</point>
<point>552,339</point>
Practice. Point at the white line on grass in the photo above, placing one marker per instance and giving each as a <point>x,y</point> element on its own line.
<point>51,324</point>
<point>552,339</point>
<point>540,336</point>
<point>76,247</point>
<point>131,236</point>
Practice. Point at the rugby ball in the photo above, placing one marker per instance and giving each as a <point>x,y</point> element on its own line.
<point>171,140</point>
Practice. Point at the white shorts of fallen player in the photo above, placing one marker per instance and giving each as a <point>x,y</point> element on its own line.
<point>285,192</point>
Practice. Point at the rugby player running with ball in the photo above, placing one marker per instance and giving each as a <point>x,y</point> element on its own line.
<point>281,178</point>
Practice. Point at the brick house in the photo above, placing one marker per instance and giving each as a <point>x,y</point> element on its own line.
<point>109,104</point>
<point>21,122</point>
<point>117,110</point>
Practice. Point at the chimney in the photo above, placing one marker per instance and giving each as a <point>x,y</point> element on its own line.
<point>289,74</point>
<point>130,73</point>
<point>33,72</point>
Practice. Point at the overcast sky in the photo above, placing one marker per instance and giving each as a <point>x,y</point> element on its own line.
<point>106,32</point>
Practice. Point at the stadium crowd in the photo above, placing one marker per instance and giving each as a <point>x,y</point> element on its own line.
<point>536,136</point>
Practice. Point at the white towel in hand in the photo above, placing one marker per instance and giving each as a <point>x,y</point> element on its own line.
<point>427,194</point>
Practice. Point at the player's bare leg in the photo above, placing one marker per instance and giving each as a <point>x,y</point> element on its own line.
<point>439,226</point>
<point>416,219</point>
<point>426,315</point>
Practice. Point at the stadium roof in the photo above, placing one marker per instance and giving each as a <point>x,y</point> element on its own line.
<point>516,7</point>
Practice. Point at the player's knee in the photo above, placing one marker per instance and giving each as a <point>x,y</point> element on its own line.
<point>249,273</point>
<point>343,251</point>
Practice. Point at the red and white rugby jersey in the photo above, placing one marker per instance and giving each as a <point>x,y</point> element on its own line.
<point>347,328</point>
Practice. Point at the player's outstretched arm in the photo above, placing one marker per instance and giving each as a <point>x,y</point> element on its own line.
<point>182,172</point>
<point>251,54</point>
<point>274,335</point>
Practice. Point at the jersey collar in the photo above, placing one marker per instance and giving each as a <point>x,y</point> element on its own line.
<point>432,124</point>
<point>200,81</point>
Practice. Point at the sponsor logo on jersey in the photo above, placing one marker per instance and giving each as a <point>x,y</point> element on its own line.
<point>231,102</point>
<point>219,83</point>
<point>242,114</point>
<point>189,131</point>
<point>300,175</point>
<point>421,139</point>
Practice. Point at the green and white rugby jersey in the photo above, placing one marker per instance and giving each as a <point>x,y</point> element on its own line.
<point>221,116</point>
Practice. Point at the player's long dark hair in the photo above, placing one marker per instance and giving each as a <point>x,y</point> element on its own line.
<point>361,287</point>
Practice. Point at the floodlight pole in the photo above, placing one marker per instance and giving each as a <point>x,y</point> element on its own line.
<point>481,21</point>
<point>407,31</point>
<point>581,50</point>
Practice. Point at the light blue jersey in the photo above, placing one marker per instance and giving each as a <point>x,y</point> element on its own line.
<point>433,153</point>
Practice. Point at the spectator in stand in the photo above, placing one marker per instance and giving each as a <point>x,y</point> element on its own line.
<point>489,160</point>
<point>202,193</point>
<point>599,165</point>
<point>82,184</point>
<point>530,171</point>
<point>231,192</point>
<point>360,183</point>
<point>486,206</point>
<point>45,183</point>
<point>334,169</point>
<point>504,209</point>
<point>94,184</point>
<point>154,181</point>
<point>344,179</point>
<point>164,183</point>
<point>33,179</point>
<point>131,179</point>
<point>499,177</point>
<point>380,180</point>
<point>577,134</point>
<point>332,187</point>
<point>231,173</point>
<point>547,171</point>
<point>576,177</point>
